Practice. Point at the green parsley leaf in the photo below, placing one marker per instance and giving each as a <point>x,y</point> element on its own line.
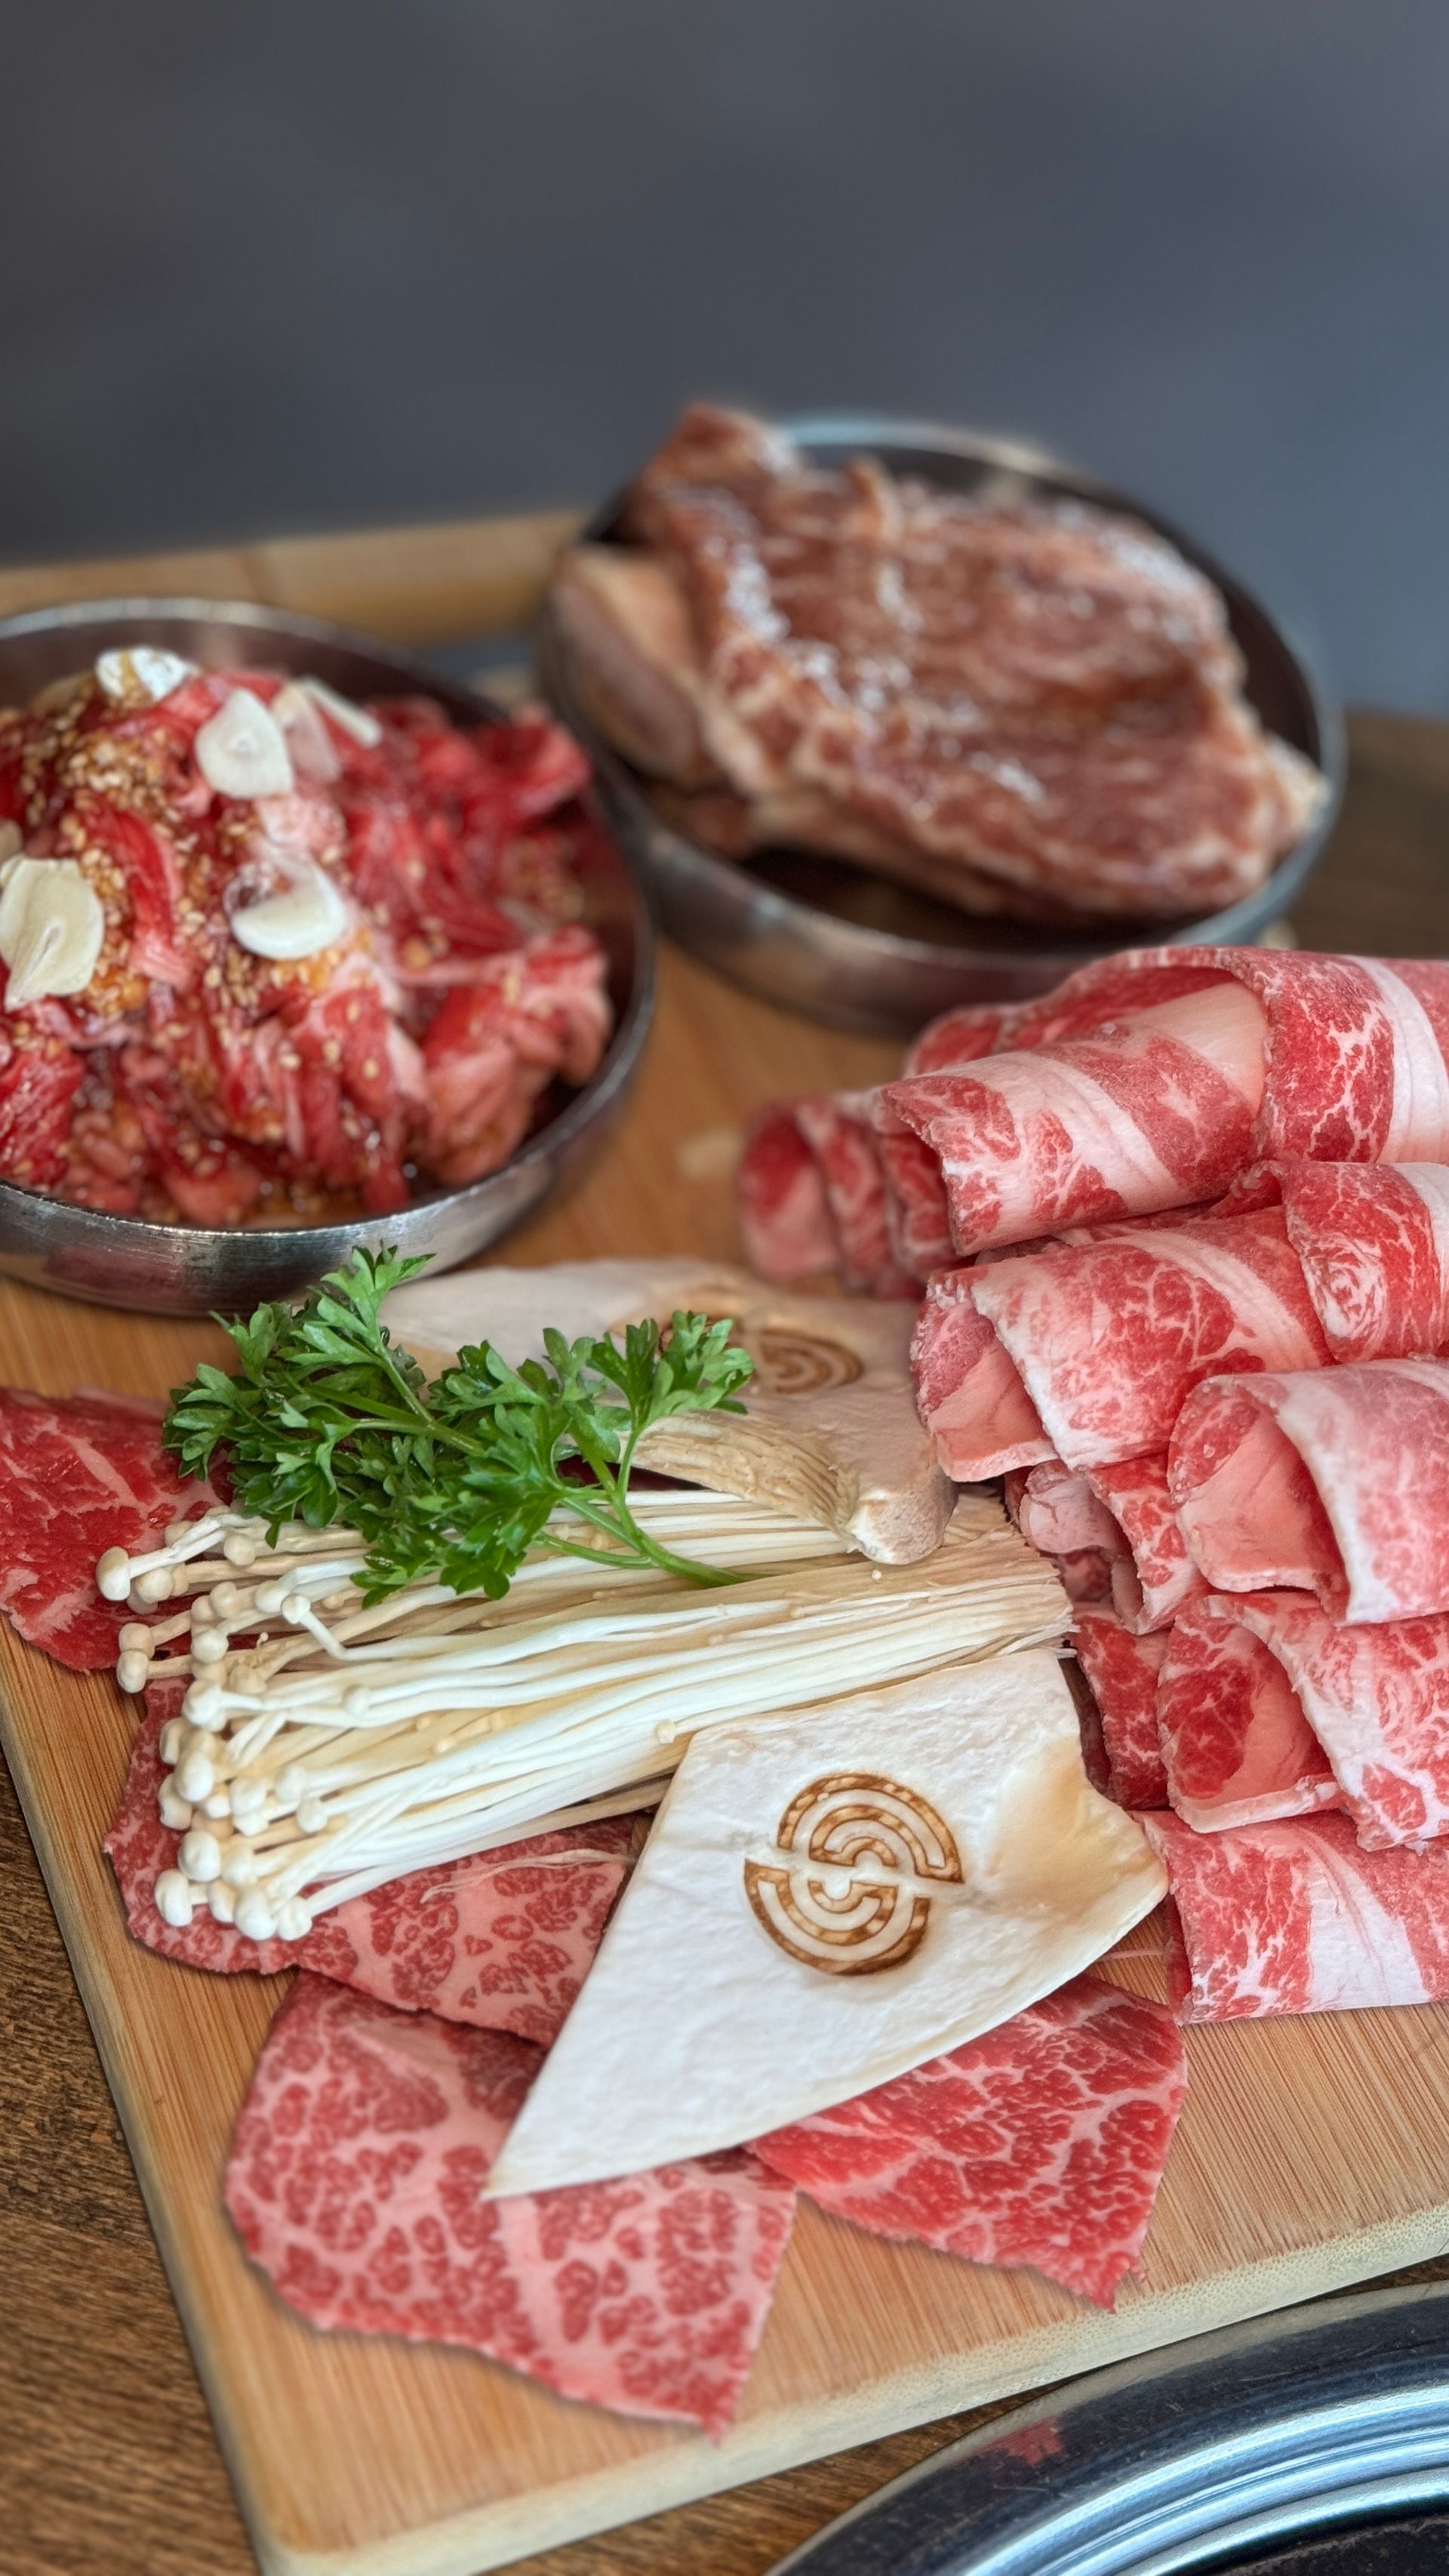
<point>327,1420</point>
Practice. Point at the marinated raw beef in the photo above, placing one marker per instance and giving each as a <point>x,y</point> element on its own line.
<point>1270,1708</point>
<point>356,2182</point>
<point>1293,1917</point>
<point>502,1940</point>
<point>1106,1336</point>
<point>78,1474</point>
<point>1043,2143</point>
<point>1122,1671</point>
<point>1154,1080</point>
<point>1025,707</point>
<point>1332,1480</point>
<point>319,951</point>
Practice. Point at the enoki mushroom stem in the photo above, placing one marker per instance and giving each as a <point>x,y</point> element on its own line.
<point>324,1747</point>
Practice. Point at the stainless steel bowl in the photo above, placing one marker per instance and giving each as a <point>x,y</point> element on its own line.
<point>197,1270</point>
<point>857,950</point>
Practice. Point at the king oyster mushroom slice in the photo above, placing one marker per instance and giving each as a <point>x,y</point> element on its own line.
<point>309,914</point>
<point>52,923</point>
<point>243,751</point>
<point>142,670</point>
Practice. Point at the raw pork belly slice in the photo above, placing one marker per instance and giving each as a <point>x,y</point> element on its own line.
<point>1334,1481</point>
<point>1042,2143</point>
<point>78,1475</point>
<point>1347,1717</point>
<point>355,2181</point>
<point>1122,1672</point>
<point>1294,1918</point>
<point>502,1941</point>
<point>1109,1335</point>
<point>1237,1748</point>
<point>1373,1239</point>
<point>1330,1059</point>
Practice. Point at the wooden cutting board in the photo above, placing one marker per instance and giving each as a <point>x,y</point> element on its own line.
<point>1310,2154</point>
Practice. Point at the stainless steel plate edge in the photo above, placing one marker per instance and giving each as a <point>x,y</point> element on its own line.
<point>1329,2414</point>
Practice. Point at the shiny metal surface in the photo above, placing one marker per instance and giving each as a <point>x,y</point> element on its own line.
<point>853,949</point>
<point>1333,2414</point>
<point>189,1270</point>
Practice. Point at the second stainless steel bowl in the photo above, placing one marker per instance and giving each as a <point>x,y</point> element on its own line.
<point>195,1270</point>
<point>864,953</point>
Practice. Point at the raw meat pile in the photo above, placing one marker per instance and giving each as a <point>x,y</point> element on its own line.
<point>1028,708</point>
<point>355,965</point>
<point>420,2018</point>
<point>1191,1213</point>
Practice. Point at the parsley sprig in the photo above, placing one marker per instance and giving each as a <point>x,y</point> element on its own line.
<point>328,1421</point>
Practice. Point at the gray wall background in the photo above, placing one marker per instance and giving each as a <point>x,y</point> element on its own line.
<point>310,263</point>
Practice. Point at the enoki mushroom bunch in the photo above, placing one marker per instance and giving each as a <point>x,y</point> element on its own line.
<point>325,1746</point>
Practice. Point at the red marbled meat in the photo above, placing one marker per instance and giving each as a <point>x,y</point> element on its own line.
<point>812,1196</point>
<point>1292,1917</point>
<point>502,1940</point>
<point>1121,1670</point>
<point>355,2181</point>
<point>1268,1687</point>
<point>1237,1747</point>
<point>1331,1480</point>
<point>1058,1513</point>
<point>1109,1335</point>
<point>1042,2143</point>
<point>1373,1239</point>
<point>78,1474</point>
<point>1331,1059</point>
<point>1157,1112</point>
<point>836,1127</point>
<point>1152,1581</point>
<point>1124,1515</point>
<point>969,1391</point>
<point>1052,1503</point>
<point>785,1220</point>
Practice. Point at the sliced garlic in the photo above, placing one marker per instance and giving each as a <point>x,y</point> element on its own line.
<point>243,750</point>
<point>142,671</point>
<point>52,924</point>
<point>364,728</point>
<point>314,753</point>
<point>311,914</point>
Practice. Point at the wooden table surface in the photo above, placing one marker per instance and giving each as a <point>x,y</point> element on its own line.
<point>107,2459</point>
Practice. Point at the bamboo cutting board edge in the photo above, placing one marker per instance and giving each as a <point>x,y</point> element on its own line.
<point>471,2544</point>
